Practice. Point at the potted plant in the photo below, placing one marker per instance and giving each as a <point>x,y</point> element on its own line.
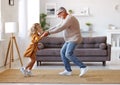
<point>43,21</point>
<point>70,11</point>
<point>89,25</point>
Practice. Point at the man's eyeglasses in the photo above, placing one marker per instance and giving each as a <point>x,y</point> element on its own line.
<point>59,13</point>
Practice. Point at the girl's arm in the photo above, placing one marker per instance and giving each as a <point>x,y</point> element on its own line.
<point>36,38</point>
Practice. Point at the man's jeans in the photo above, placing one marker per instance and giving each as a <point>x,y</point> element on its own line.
<point>67,54</point>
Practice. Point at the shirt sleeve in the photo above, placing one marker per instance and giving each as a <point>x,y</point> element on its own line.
<point>36,38</point>
<point>61,27</point>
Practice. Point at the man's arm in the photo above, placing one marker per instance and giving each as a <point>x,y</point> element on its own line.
<point>63,26</point>
<point>52,28</point>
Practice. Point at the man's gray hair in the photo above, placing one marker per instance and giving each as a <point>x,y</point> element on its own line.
<point>61,9</point>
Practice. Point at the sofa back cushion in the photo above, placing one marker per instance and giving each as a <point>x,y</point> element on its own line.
<point>88,42</point>
<point>52,42</point>
<point>93,42</point>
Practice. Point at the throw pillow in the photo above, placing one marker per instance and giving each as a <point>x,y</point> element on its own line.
<point>102,46</point>
<point>40,45</point>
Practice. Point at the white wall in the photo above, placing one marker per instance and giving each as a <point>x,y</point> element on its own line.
<point>102,13</point>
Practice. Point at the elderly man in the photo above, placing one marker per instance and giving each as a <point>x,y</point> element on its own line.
<point>72,36</point>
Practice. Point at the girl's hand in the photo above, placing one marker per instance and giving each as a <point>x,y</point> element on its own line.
<point>46,33</point>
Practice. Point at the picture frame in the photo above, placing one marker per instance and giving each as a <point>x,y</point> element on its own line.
<point>84,11</point>
<point>11,2</point>
<point>50,9</point>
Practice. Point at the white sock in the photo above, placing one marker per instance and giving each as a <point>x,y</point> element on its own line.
<point>29,70</point>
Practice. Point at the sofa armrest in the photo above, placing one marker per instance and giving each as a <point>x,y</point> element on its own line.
<point>109,51</point>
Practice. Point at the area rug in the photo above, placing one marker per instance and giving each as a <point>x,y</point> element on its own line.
<point>50,76</point>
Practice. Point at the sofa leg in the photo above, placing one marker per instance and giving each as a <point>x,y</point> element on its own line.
<point>104,63</point>
<point>38,63</point>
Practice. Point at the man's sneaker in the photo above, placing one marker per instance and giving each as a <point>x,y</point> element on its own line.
<point>65,72</point>
<point>83,71</point>
<point>24,72</point>
<point>29,73</point>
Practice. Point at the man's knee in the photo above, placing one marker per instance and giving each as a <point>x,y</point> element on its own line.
<point>68,54</point>
<point>62,52</point>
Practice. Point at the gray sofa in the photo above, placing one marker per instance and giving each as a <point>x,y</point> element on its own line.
<point>92,49</point>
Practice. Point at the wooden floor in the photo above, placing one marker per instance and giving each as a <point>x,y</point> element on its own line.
<point>113,64</point>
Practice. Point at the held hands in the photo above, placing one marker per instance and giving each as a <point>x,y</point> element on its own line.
<point>46,33</point>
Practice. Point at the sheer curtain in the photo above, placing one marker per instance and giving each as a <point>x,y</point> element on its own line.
<point>0,30</point>
<point>28,14</point>
<point>33,16</point>
<point>22,18</point>
<point>0,23</point>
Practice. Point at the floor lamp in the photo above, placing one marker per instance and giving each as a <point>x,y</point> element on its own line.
<point>11,27</point>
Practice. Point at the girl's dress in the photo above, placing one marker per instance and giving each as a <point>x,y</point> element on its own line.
<point>33,47</point>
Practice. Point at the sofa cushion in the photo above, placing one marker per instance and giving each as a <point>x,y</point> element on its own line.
<point>78,52</point>
<point>93,42</point>
<point>52,42</point>
<point>90,52</point>
<point>49,51</point>
<point>51,45</point>
<point>88,45</point>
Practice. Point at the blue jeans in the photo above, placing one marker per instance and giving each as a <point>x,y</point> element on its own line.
<point>67,54</point>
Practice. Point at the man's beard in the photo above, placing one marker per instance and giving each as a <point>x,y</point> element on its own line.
<point>62,17</point>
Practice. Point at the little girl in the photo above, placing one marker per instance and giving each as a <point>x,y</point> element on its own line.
<point>36,34</point>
